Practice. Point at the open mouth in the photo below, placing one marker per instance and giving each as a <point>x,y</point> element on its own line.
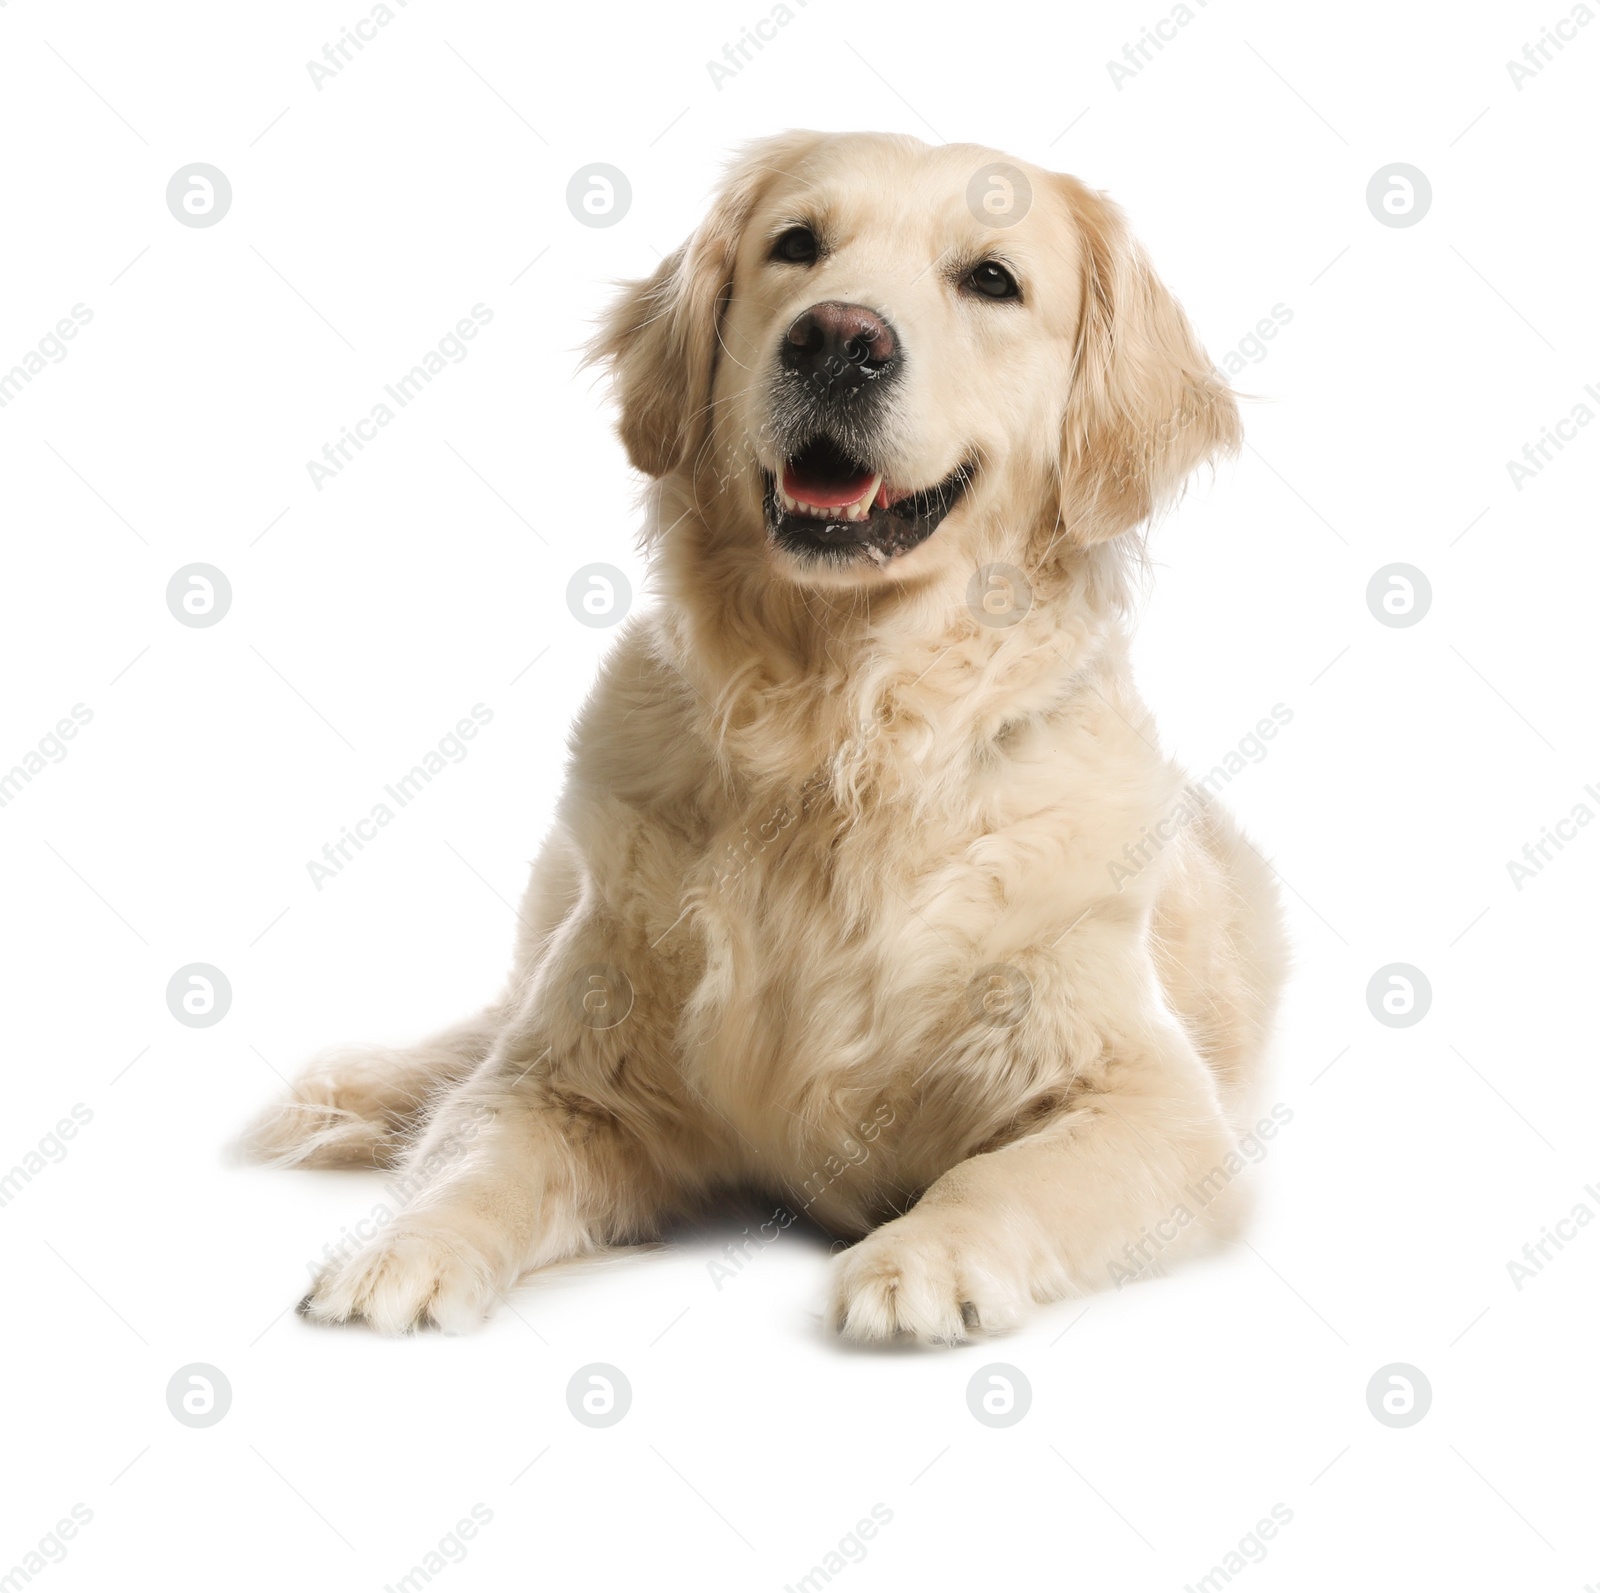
<point>827,505</point>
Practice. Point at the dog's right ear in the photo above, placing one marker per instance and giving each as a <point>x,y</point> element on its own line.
<point>660,339</point>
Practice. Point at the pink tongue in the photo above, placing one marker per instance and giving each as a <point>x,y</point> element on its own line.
<point>823,494</point>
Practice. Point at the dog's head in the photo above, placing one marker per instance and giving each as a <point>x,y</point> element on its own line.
<point>877,359</point>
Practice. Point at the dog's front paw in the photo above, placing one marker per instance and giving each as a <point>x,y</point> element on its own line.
<point>924,1277</point>
<point>416,1273</point>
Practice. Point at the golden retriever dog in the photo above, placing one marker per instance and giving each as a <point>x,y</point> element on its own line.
<point>869,889</point>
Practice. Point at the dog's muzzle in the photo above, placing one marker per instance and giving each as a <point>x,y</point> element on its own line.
<point>838,368</point>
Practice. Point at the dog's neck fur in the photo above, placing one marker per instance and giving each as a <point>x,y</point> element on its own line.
<point>890,692</point>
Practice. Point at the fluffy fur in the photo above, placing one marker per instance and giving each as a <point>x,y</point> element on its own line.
<point>838,902</point>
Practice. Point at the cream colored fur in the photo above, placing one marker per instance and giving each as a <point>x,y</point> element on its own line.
<point>853,864</point>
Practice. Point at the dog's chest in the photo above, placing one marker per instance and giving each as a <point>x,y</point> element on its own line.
<point>838,955</point>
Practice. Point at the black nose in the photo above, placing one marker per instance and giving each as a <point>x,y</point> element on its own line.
<point>840,347</point>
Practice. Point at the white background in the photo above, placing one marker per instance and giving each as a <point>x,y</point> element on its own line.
<point>367,218</point>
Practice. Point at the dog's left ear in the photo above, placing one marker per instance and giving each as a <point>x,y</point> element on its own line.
<point>1147,406</point>
<point>660,338</point>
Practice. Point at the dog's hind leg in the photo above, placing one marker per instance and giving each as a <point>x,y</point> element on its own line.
<point>361,1106</point>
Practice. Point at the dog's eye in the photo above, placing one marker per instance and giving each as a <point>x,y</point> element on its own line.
<point>797,246</point>
<point>993,281</point>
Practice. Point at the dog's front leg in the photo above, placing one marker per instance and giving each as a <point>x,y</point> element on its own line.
<point>1125,1172</point>
<point>540,1155</point>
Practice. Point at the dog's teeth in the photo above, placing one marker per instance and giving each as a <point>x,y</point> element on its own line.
<point>853,513</point>
<point>862,507</point>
